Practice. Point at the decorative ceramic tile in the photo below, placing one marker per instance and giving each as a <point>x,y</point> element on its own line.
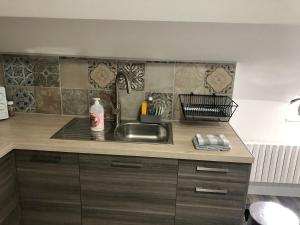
<point>135,72</point>
<point>177,111</point>
<point>18,70</point>
<point>189,78</point>
<point>102,74</point>
<point>75,101</point>
<point>48,100</point>
<point>163,100</point>
<point>45,72</point>
<point>131,103</point>
<point>107,100</point>
<point>73,73</point>
<point>219,78</point>
<point>1,72</point>
<point>159,77</point>
<point>23,98</point>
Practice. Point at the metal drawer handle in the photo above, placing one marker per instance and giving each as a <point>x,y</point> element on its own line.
<point>45,159</point>
<point>125,164</point>
<point>207,169</point>
<point>211,191</point>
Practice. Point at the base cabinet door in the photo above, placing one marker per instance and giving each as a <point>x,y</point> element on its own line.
<point>127,190</point>
<point>9,200</point>
<point>49,188</point>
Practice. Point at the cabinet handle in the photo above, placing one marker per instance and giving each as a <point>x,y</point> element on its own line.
<point>211,191</point>
<point>215,170</point>
<point>126,164</point>
<point>45,159</point>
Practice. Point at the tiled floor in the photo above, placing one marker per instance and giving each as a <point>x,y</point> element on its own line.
<point>292,203</point>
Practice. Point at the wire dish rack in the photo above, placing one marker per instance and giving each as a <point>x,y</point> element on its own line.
<point>207,107</point>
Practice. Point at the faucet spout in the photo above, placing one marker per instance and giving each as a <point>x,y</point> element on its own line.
<point>117,109</point>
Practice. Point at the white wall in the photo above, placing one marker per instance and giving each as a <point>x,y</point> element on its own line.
<point>218,11</point>
<point>268,57</point>
<point>265,122</point>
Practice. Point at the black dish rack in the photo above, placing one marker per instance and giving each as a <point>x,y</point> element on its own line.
<point>207,107</point>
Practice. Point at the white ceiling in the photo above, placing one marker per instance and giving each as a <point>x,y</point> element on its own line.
<point>224,11</point>
<point>268,56</point>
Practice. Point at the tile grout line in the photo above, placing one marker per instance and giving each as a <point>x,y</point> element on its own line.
<point>60,87</point>
<point>173,102</point>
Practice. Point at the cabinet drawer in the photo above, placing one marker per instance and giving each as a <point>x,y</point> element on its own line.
<point>211,193</point>
<point>226,172</point>
<point>191,215</point>
<point>49,176</point>
<point>47,213</point>
<point>97,217</point>
<point>128,184</point>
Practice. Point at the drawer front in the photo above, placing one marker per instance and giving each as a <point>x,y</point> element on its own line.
<point>14,218</point>
<point>46,213</point>
<point>97,217</point>
<point>139,186</point>
<point>188,215</point>
<point>216,171</point>
<point>211,193</point>
<point>9,199</point>
<point>48,176</point>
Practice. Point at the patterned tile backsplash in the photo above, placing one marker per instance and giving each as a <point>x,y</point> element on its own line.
<point>61,85</point>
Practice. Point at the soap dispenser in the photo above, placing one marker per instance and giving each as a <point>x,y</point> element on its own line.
<point>97,116</point>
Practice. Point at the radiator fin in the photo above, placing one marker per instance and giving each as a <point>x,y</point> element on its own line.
<point>275,163</point>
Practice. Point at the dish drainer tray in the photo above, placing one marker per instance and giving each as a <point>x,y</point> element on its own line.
<point>207,107</point>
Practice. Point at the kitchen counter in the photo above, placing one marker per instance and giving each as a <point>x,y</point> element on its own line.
<point>33,131</point>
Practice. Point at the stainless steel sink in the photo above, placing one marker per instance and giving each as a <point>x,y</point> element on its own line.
<point>140,132</point>
<point>127,131</point>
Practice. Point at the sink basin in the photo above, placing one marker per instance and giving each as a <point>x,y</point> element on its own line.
<point>140,132</point>
<point>127,131</point>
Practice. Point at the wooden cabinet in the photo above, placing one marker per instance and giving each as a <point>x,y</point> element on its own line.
<point>210,193</point>
<point>9,203</point>
<point>127,190</point>
<point>49,188</point>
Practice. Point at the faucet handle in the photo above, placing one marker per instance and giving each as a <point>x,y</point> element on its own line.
<point>115,109</point>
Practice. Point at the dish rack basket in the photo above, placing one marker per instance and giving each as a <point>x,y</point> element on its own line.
<point>207,107</point>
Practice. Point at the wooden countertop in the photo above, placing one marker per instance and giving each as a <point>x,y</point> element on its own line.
<point>33,131</point>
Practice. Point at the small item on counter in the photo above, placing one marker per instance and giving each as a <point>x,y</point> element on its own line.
<point>149,112</point>
<point>150,105</point>
<point>97,116</point>
<point>11,108</point>
<point>144,108</point>
<point>216,142</point>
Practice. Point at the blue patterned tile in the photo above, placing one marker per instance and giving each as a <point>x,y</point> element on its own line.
<point>18,70</point>
<point>23,98</point>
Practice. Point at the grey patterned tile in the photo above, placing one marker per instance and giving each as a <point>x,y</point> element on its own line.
<point>189,78</point>
<point>46,73</point>
<point>164,100</point>
<point>219,78</point>
<point>135,73</point>
<point>73,73</point>
<point>131,103</point>
<point>18,70</point>
<point>159,77</point>
<point>23,98</point>
<point>48,100</point>
<point>102,74</point>
<point>1,72</point>
<point>107,100</point>
<point>75,101</point>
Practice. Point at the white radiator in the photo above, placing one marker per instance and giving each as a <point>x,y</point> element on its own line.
<point>275,163</point>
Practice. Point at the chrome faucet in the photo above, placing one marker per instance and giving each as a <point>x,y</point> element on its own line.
<point>117,108</point>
